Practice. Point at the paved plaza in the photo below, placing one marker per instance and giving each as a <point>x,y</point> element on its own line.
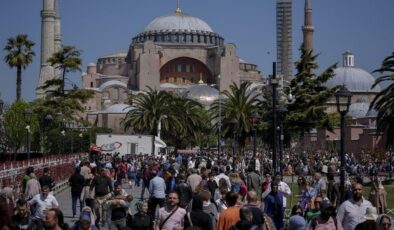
<point>64,199</point>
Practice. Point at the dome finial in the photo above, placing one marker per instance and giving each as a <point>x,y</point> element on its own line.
<point>200,81</point>
<point>178,8</point>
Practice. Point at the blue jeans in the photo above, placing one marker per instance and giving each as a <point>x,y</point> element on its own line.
<point>74,197</point>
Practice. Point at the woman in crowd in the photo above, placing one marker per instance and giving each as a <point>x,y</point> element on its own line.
<point>141,220</point>
<point>297,221</point>
<point>383,222</point>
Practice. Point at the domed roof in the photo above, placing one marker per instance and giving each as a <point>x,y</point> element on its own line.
<point>358,110</point>
<point>203,93</point>
<point>178,21</point>
<point>118,108</point>
<point>355,79</point>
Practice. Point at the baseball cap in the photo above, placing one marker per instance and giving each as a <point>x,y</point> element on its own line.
<point>85,216</point>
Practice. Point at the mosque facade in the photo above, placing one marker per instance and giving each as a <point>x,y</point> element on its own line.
<point>175,52</point>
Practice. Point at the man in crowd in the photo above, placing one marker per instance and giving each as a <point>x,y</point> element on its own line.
<point>319,183</point>
<point>22,219</point>
<point>254,182</point>
<point>77,182</point>
<point>284,188</point>
<point>273,205</point>
<point>54,219</point>
<point>118,205</point>
<point>194,179</point>
<point>171,216</point>
<point>102,186</point>
<point>43,202</point>
<point>230,216</point>
<point>257,213</point>
<point>33,187</point>
<point>351,212</point>
<point>46,179</point>
<point>157,189</point>
<point>6,205</point>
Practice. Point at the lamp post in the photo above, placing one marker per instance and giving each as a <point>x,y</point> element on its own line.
<point>234,123</point>
<point>220,120</point>
<point>274,84</point>
<point>27,115</point>
<point>343,97</point>
<point>281,114</point>
<point>254,118</point>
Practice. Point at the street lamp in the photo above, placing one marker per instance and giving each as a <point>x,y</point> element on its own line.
<point>27,115</point>
<point>274,83</point>
<point>234,123</point>
<point>281,114</point>
<point>254,119</point>
<point>343,97</point>
<point>220,120</point>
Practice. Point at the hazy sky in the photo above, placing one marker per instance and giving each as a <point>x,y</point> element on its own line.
<point>99,27</point>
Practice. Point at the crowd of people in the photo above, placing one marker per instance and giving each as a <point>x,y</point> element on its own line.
<point>199,192</point>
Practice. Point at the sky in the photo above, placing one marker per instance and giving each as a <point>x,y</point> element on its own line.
<point>100,27</point>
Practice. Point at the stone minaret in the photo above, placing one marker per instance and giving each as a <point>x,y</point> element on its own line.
<point>284,38</point>
<point>308,28</point>
<point>58,35</point>
<point>49,20</point>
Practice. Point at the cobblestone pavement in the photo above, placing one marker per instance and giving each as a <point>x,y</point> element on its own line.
<point>64,199</point>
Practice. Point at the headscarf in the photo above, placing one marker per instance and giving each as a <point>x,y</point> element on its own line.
<point>139,206</point>
<point>379,219</point>
<point>88,210</point>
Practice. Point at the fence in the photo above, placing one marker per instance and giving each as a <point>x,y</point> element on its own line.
<point>61,168</point>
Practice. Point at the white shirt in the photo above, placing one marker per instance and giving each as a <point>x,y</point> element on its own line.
<point>42,204</point>
<point>350,214</point>
<point>284,188</point>
<point>224,176</point>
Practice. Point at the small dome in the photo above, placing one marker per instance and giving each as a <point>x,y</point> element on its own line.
<point>358,110</point>
<point>91,64</point>
<point>178,21</point>
<point>203,93</point>
<point>118,108</point>
<point>355,80</point>
<point>372,113</point>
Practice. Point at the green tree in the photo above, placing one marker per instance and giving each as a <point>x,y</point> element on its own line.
<point>19,55</point>
<point>68,59</point>
<point>384,100</point>
<point>15,126</point>
<point>148,108</point>
<point>308,109</point>
<point>239,103</point>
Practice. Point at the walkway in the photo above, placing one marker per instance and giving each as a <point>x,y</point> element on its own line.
<point>64,199</point>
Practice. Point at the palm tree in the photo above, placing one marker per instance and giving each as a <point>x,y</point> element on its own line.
<point>148,108</point>
<point>240,102</point>
<point>384,101</point>
<point>68,59</point>
<point>19,55</point>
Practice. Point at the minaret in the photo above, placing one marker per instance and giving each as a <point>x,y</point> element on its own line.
<point>58,35</point>
<point>48,22</point>
<point>308,28</point>
<point>284,38</point>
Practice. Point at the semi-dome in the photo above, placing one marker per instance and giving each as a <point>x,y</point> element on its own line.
<point>355,79</point>
<point>203,93</point>
<point>178,21</point>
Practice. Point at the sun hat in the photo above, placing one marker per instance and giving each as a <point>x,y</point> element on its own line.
<point>371,213</point>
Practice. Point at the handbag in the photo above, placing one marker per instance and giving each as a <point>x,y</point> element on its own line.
<point>168,217</point>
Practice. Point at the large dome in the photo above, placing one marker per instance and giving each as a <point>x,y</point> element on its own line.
<point>355,79</point>
<point>178,21</point>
